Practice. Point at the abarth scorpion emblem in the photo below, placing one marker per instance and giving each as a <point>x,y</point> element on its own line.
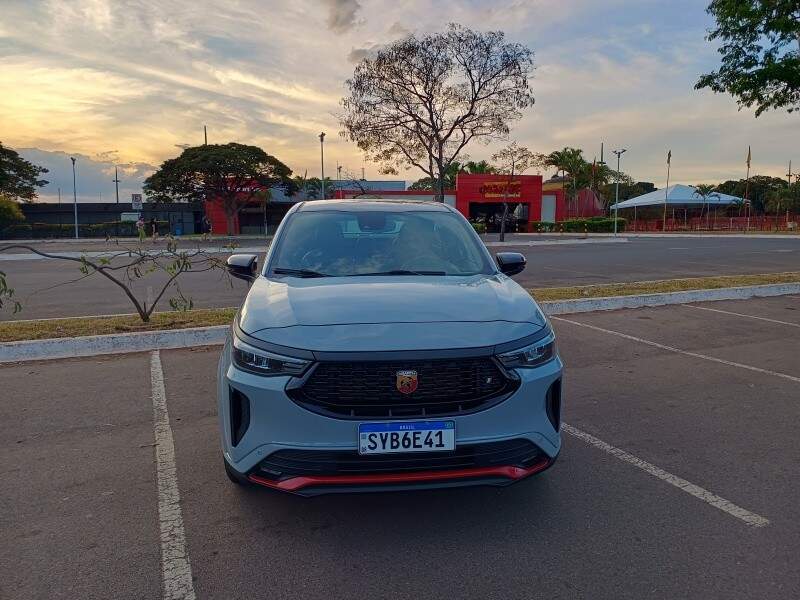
<point>406,381</point>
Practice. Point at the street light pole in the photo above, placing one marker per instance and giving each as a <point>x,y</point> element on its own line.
<point>74,196</point>
<point>116,183</point>
<point>616,204</point>
<point>322,161</point>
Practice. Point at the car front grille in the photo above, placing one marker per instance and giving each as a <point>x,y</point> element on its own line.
<point>297,463</point>
<point>445,387</point>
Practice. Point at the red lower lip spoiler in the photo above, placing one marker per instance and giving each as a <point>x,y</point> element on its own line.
<point>294,484</point>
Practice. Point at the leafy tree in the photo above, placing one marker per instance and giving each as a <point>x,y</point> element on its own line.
<point>760,65</point>
<point>449,182</point>
<point>310,188</point>
<point>786,199</point>
<point>10,212</point>
<point>235,174</point>
<point>758,190</point>
<point>513,160</point>
<point>18,177</point>
<point>418,102</point>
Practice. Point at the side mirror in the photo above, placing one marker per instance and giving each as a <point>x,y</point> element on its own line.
<point>242,266</point>
<point>511,263</point>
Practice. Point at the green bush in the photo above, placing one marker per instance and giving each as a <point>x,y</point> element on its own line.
<point>479,227</point>
<point>541,227</point>
<point>10,212</point>
<point>593,225</point>
<point>85,230</point>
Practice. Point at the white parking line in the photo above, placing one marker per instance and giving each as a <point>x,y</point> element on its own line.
<point>726,506</point>
<point>176,571</point>
<point>721,361</point>
<point>728,312</point>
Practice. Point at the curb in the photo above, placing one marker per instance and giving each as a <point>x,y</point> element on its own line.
<point>563,307</point>
<point>124,343</point>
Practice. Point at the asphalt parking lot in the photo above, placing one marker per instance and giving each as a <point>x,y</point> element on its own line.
<point>677,480</point>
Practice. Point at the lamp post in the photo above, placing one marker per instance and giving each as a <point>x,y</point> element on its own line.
<point>322,161</point>
<point>616,204</point>
<point>74,196</point>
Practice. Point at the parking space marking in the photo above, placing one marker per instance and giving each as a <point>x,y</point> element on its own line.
<point>735,314</point>
<point>176,570</point>
<point>721,361</point>
<point>749,518</point>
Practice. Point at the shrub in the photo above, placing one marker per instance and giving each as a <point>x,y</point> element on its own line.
<point>479,227</point>
<point>55,230</point>
<point>541,227</point>
<point>593,225</point>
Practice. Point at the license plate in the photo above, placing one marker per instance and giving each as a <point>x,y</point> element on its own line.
<point>414,436</point>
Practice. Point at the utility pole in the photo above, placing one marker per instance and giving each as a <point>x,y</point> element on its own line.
<point>322,161</point>
<point>205,136</point>
<point>116,183</point>
<point>74,196</point>
<point>666,193</point>
<point>616,204</point>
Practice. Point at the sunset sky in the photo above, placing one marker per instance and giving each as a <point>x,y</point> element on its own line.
<point>126,82</point>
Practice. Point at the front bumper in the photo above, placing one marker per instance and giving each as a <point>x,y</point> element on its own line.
<point>277,423</point>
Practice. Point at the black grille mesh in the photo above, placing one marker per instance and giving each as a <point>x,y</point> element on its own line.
<point>294,463</point>
<point>369,389</point>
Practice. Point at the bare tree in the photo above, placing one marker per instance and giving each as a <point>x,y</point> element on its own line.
<point>418,102</point>
<point>513,160</point>
<point>127,265</point>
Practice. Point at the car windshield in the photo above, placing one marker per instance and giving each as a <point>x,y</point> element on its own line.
<point>351,243</point>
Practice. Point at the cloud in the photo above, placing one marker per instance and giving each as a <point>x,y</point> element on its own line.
<point>94,176</point>
<point>128,81</point>
<point>342,15</point>
<point>398,30</point>
<point>356,55</point>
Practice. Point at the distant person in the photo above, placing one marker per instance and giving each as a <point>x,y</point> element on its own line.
<point>154,229</point>
<point>206,228</point>
<point>140,229</point>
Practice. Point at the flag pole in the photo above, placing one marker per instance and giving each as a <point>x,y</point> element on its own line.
<point>747,191</point>
<point>666,193</point>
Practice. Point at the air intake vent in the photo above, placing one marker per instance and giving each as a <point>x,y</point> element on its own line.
<point>240,415</point>
<point>553,404</point>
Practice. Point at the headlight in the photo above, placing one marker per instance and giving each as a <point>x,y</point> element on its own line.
<point>534,355</point>
<point>261,362</point>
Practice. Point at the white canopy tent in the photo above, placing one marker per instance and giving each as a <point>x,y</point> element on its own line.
<point>678,195</point>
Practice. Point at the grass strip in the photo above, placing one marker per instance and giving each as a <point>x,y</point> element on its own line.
<point>660,286</point>
<point>11,331</point>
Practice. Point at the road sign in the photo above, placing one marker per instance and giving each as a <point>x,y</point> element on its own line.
<point>136,201</point>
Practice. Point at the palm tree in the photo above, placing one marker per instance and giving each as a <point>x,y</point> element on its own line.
<point>705,191</point>
<point>480,167</point>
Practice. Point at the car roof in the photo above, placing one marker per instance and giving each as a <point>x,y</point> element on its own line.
<point>372,205</point>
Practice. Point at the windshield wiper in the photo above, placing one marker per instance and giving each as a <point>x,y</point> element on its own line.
<point>399,272</point>
<point>299,272</point>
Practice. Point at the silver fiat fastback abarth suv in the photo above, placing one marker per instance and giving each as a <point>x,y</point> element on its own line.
<point>381,348</point>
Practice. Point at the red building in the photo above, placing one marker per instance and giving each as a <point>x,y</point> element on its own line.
<point>480,197</point>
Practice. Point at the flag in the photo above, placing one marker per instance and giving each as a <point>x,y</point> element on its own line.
<point>748,157</point>
<point>669,156</point>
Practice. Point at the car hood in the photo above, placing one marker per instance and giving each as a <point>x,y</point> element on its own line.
<point>389,313</point>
